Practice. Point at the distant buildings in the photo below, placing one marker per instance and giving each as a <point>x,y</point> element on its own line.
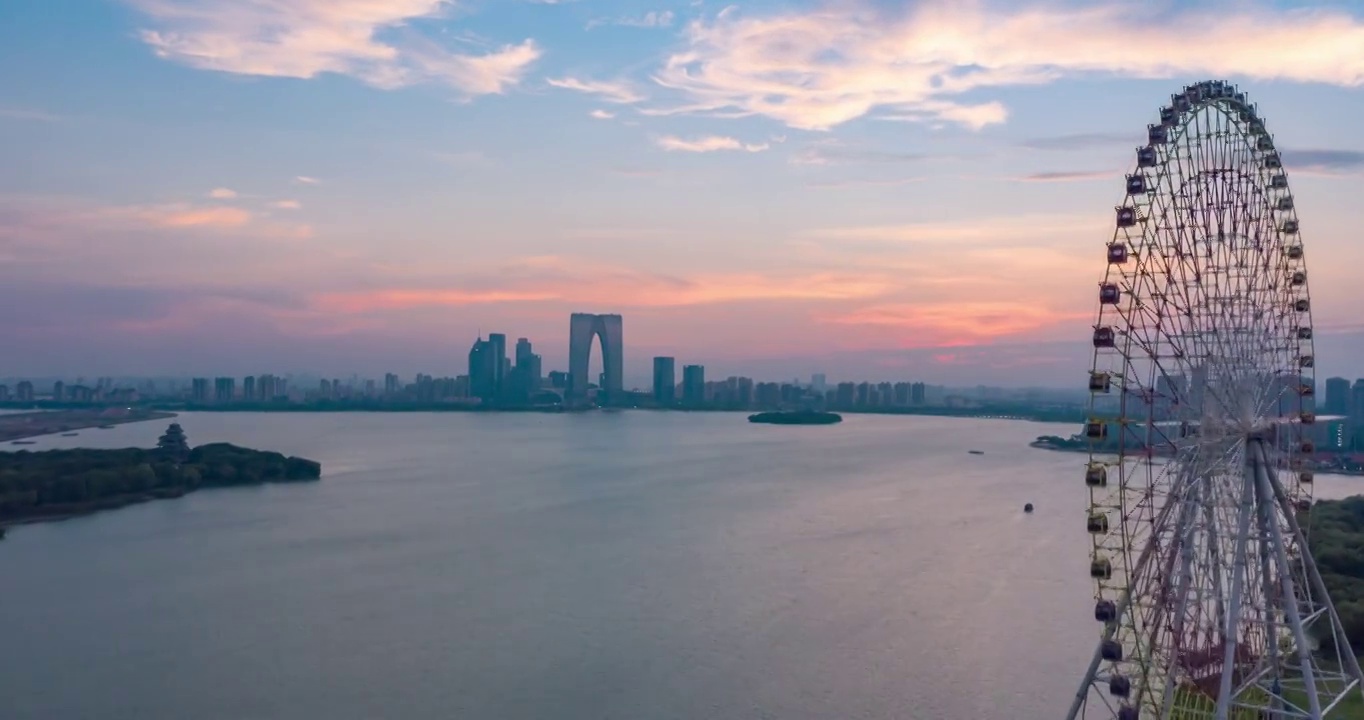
<point>665,381</point>
<point>694,385</point>
<point>224,389</point>
<point>1337,396</point>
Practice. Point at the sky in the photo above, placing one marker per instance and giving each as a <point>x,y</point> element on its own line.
<point>870,189</point>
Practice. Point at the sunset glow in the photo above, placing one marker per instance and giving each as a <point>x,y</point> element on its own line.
<point>766,188</point>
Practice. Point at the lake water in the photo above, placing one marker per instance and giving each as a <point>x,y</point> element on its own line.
<point>630,566</point>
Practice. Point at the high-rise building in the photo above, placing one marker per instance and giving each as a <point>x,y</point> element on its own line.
<point>199,390</point>
<point>391,384</point>
<point>268,387</point>
<point>498,348</point>
<point>1356,410</point>
<point>818,383</point>
<point>4,393</point>
<point>484,367</point>
<point>224,389</point>
<point>694,384</point>
<point>523,352</point>
<point>248,388</point>
<point>1337,396</point>
<point>59,391</point>
<point>23,392</point>
<point>583,328</point>
<point>665,380</point>
<point>917,392</point>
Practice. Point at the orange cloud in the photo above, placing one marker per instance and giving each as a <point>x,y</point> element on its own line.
<point>818,69</point>
<point>953,323</point>
<point>543,279</point>
<point>362,302</point>
<point>215,217</point>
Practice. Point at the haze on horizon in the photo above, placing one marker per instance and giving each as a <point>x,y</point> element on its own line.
<point>770,189</point>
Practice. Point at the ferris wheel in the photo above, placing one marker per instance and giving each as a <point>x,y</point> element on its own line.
<point>1201,419</point>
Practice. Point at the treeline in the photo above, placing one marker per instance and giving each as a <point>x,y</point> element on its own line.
<point>66,482</point>
<point>1336,536</point>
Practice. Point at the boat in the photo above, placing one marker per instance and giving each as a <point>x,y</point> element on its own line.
<point>70,434</point>
<point>796,417</point>
<point>976,452</point>
<point>24,442</point>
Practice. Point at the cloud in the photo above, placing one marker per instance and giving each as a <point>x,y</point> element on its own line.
<point>1069,175</point>
<point>184,216</point>
<point>954,323</point>
<point>832,152</point>
<point>1325,162</point>
<point>305,180</point>
<point>560,280</point>
<point>1081,141</point>
<point>992,231</point>
<point>615,92</point>
<point>286,204</point>
<point>651,19</point>
<point>305,38</point>
<point>709,143</point>
<point>819,69</point>
<point>222,194</point>
<point>14,113</point>
<point>602,114</point>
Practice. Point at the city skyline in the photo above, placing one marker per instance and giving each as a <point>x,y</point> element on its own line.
<point>202,192</point>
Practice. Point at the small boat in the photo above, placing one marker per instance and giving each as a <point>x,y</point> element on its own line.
<point>70,434</point>
<point>976,452</point>
<point>24,442</point>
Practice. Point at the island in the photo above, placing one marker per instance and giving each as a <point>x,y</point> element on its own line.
<point>57,484</point>
<point>796,417</point>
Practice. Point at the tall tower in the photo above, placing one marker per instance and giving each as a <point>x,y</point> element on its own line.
<point>583,328</point>
<point>665,381</point>
<point>498,346</point>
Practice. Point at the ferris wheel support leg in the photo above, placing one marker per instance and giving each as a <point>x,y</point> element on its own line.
<point>1290,594</point>
<point>1214,550</point>
<point>1314,577</point>
<point>1266,511</point>
<point>1238,579</point>
<point>1184,536</point>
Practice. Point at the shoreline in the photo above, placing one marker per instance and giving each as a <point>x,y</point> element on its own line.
<point>1081,448</point>
<point>21,426</point>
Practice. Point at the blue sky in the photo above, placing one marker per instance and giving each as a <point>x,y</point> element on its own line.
<point>773,189</point>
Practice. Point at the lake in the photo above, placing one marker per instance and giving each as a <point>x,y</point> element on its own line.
<point>613,566</point>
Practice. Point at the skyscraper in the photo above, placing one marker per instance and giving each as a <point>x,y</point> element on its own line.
<point>498,342</point>
<point>665,380</point>
<point>1357,403</point>
<point>224,388</point>
<point>523,352</point>
<point>248,388</point>
<point>1337,396</point>
<point>694,384</point>
<point>583,328</point>
<point>484,367</point>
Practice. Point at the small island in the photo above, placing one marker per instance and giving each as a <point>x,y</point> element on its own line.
<point>796,417</point>
<point>57,484</point>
